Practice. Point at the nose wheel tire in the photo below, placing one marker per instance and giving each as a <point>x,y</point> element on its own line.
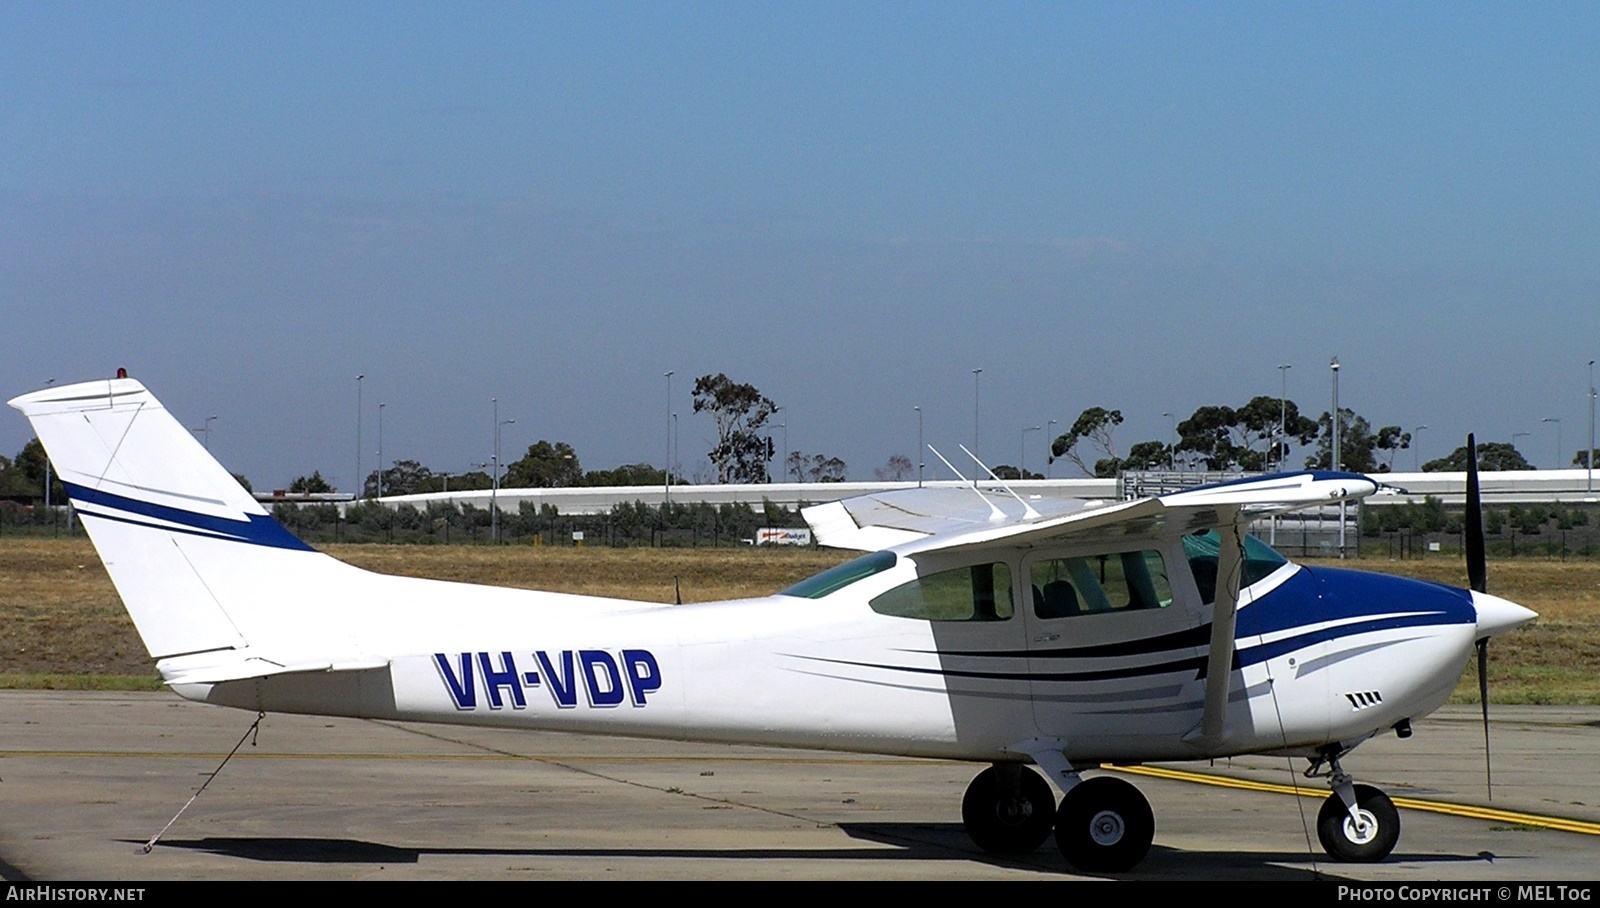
<point>1363,841</point>
<point>1104,825</point>
<point>1008,810</point>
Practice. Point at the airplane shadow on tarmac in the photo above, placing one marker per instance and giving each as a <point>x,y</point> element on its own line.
<point>907,841</point>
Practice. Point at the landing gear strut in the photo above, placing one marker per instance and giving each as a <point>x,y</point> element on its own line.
<point>1357,823</point>
<point>1008,809</point>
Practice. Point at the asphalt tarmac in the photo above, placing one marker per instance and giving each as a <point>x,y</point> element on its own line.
<point>87,778</point>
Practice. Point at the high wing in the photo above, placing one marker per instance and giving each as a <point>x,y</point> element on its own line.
<point>928,519</point>
<point>915,521</point>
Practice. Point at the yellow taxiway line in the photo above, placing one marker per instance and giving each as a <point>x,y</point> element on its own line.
<point>1515,817</point>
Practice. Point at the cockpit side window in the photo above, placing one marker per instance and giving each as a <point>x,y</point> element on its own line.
<point>979,592</point>
<point>1094,584</point>
<point>836,578</point>
<point>1202,551</point>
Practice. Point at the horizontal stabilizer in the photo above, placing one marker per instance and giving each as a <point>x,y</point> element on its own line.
<point>242,665</point>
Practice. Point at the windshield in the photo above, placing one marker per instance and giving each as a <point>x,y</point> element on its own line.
<point>819,585</point>
<point>1201,550</point>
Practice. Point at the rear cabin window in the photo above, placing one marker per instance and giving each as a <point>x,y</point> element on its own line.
<point>981,592</point>
<point>1202,550</point>
<point>1098,584</point>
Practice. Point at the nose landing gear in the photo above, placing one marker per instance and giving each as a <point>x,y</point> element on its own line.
<point>1357,824</point>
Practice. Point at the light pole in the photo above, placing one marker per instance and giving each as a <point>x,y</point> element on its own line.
<point>1557,421</point>
<point>1416,445</point>
<point>360,480</point>
<point>494,496</point>
<point>919,446</point>
<point>785,427</point>
<point>47,510</point>
<point>1335,444</point>
<point>674,452</point>
<point>380,448</point>
<point>770,453</point>
<point>1049,453</point>
<point>205,432</point>
<point>1283,415</point>
<point>1022,452</point>
<point>1334,441</point>
<point>666,488</point>
<point>494,479</point>
<point>975,374</point>
<point>1588,457</point>
<point>482,466</point>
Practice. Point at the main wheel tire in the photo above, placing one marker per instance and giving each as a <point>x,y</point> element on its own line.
<point>1006,817</point>
<point>1104,825</point>
<point>1372,841</point>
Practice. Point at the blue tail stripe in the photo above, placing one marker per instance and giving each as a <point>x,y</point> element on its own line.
<point>255,529</point>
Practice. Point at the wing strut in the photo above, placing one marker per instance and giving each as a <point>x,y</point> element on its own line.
<point>994,511</point>
<point>1219,665</point>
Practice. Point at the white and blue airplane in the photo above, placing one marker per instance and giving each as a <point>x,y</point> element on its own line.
<point>977,627</point>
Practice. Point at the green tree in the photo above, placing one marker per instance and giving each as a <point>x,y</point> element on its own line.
<point>311,485</point>
<point>1247,438</point>
<point>816,467</point>
<point>405,477</point>
<point>1007,471</point>
<point>1094,425</point>
<point>24,479</point>
<point>1581,459</point>
<point>1391,440</point>
<point>1492,455</point>
<point>629,474</point>
<point>740,412</point>
<point>898,469</point>
<point>1146,455</point>
<point>545,466</point>
<point>1360,449</point>
<point>456,482</point>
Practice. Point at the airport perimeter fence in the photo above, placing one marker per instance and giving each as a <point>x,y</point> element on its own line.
<point>688,525</point>
<point>1558,532</point>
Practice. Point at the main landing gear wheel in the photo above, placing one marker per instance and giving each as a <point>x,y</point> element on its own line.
<point>1371,840</point>
<point>1008,810</point>
<point>1104,825</point>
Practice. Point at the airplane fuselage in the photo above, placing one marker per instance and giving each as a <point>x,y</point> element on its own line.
<point>1322,655</point>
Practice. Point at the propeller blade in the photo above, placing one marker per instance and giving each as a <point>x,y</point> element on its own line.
<point>1477,569</point>
<point>1478,578</point>
<point>1483,698</point>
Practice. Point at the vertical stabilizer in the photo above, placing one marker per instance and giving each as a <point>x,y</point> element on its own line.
<point>179,536</point>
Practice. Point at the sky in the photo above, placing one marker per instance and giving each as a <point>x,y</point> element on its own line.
<point>851,206</point>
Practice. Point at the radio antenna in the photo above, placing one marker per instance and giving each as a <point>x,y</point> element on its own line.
<point>1027,509</point>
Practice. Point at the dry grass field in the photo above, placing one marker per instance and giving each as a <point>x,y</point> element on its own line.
<point>63,626</point>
